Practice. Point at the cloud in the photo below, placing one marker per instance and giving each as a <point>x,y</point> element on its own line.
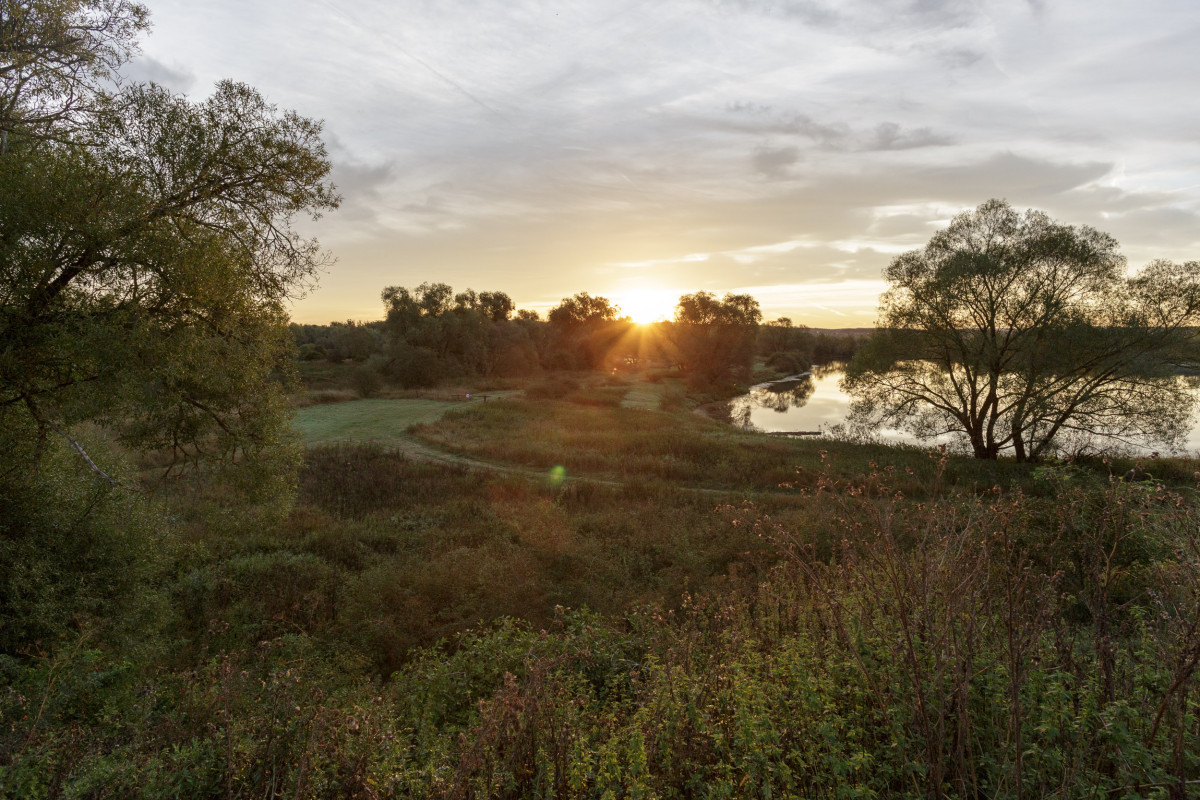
<point>807,11</point>
<point>531,150</point>
<point>775,163</point>
<point>890,136</point>
<point>147,69</point>
<point>363,184</point>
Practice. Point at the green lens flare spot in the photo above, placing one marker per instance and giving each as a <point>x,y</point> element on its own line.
<point>558,474</point>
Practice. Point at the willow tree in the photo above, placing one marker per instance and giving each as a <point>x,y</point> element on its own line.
<point>586,332</point>
<point>146,242</point>
<point>1015,331</point>
<point>146,256</point>
<point>713,338</point>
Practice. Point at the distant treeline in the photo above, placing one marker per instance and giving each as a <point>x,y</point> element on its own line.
<point>431,334</point>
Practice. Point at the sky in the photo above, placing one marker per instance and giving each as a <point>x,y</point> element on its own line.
<point>642,150</point>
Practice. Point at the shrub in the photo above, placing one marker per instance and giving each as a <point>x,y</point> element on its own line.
<point>553,387</point>
<point>366,380</point>
<point>76,552</point>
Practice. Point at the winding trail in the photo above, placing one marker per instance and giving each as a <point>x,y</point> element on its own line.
<point>386,422</point>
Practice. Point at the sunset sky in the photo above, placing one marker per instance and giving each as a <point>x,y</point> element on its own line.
<point>640,150</point>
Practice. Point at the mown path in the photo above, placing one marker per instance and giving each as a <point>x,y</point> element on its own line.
<point>385,422</point>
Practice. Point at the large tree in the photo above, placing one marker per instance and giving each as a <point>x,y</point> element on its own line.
<point>146,241</point>
<point>713,338</point>
<point>587,333</point>
<point>1015,331</point>
<point>56,57</point>
<point>434,333</point>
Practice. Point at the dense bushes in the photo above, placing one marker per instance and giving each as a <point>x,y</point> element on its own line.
<point>78,555</point>
<point>907,631</point>
<point>969,647</point>
<point>929,658</point>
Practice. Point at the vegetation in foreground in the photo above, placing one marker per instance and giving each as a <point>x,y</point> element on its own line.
<point>841,640</point>
<point>865,627</point>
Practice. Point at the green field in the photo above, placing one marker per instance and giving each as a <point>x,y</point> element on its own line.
<point>374,420</point>
<point>702,606</point>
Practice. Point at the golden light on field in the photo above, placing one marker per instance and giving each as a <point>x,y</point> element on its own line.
<point>647,305</point>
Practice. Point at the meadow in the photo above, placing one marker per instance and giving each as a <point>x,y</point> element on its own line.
<point>683,610</point>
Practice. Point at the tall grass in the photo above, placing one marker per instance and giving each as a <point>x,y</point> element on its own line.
<point>835,621</point>
<point>382,554</point>
<point>636,444</point>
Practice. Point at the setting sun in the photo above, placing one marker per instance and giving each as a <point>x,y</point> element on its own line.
<point>647,305</point>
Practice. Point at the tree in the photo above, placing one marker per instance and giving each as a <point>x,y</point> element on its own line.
<point>55,56</point>
<point>146,256</point>
<point>582,309</point>
<point>786,347</point>
<point>1014,331</point>
<point>435,333</point>
<point>585,330</point>
<point>146,245</point>
<point>498,306</point>
<point>714,338</point>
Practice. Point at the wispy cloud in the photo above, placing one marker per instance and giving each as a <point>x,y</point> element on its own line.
<point>534,147</point>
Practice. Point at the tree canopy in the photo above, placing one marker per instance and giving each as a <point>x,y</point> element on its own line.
<point>55,58</point>
<point>587,333</point>
<point>714,338</point>
<point>146,240</point>
<point>1016,332</point>
<point>433,334</point>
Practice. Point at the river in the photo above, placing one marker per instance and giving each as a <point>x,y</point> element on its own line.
<point>814,403</point>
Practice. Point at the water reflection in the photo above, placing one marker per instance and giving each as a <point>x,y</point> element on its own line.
<point>815,403</point>
<point>779,397</point>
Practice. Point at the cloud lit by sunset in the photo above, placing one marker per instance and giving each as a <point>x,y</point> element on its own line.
<point>544,149</point>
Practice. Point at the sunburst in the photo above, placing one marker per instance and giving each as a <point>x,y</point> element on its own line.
<point>647,305</point>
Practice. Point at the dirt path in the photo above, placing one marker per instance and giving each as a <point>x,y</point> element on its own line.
<point>385,422</point>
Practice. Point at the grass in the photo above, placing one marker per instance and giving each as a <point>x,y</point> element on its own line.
<point>382,420</point>
<point>632,444</point>
<point>644,395</point>
<point>382,553</point>
<point>839,616</point>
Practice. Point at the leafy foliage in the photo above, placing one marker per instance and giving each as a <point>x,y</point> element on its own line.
<point>976,645</point>
<point>55,56</point>
<point>714,339</point>
<point>434,335</point>
<point>1016,332</point>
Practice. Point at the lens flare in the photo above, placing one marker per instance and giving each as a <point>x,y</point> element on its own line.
<point>558,474</point>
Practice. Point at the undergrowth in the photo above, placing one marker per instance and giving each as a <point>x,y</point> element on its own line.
<point>844,638</point>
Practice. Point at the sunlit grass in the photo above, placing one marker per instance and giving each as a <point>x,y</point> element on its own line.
<point>381,420</point>
<point>634,444</point>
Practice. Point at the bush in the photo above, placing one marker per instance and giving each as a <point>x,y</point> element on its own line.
<point>788,363</point>
<point>413,367</point>
<point>76,552</point>
<point>311,352</point>
<point>554,387</point>
<point>366,377</point>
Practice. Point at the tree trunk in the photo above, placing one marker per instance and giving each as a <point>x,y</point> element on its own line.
<point>1019,448</point>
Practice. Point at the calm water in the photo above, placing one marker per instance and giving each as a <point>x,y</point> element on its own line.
<point>815,403</point>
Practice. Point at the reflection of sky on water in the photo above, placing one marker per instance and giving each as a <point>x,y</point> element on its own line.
<point>826,406</point>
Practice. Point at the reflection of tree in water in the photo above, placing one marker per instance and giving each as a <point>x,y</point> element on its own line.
<point>820,371</point>
<point>735,412</point>
<point>782,395</point>
<point>778,396</point>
